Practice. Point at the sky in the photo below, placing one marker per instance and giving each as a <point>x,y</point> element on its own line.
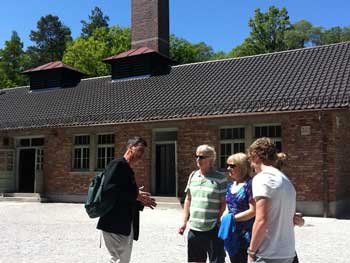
<point>222,24</point>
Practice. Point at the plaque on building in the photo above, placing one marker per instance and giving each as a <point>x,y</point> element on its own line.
<point>305,130</point>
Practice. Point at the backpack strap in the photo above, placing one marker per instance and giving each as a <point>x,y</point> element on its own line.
<point>191,175</point>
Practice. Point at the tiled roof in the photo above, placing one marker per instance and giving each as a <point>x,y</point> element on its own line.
<point>52,65</point>
<point>311,78</point>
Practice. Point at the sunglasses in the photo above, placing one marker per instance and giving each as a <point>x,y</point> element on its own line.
<point>231,166</point>
<point>200,157</point>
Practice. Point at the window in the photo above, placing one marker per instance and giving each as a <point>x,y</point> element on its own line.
<point>39,159</point>
<point>231,142</point>
<point>271,131</point>
<point>6,161</point>
<point>37,142</point>
<point>105,150</point>
<point>30,142</point>
<point>6,141</point>
<point>24,142</point>
<point>81,155</point>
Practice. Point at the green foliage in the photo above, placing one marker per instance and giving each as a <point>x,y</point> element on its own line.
<point>11,63</point>
<point>182,51</point>
<point>247,48</point>
<point>267,33</point>
<point>51,39</point>
<point>86,54</point>
<point>299,35</point>
<point>96,20</point>
<point>219,55</point>
<point>334,35</point>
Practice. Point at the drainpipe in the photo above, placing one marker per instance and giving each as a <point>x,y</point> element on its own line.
<point>324,165</point>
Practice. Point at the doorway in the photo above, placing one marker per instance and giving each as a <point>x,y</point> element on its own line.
<point>26,171</point>
<point>165,169</point>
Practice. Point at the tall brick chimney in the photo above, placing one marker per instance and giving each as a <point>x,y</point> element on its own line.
<point>150,25</point>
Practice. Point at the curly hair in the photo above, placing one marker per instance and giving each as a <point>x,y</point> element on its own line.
<point>264,148</point>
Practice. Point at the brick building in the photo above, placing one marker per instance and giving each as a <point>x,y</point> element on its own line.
<point>56,133</point>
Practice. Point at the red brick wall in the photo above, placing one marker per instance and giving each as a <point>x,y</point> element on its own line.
<point>153,15</point>
<point>342,163</point>
<point>308,155</point>
<point>59,177</point>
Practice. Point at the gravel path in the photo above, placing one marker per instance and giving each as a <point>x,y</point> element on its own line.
<point>62,233</point>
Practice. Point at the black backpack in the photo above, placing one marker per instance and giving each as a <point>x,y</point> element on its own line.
<point>98,204</point>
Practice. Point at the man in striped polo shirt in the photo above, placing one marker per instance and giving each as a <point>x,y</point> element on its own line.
<point>203,207</point>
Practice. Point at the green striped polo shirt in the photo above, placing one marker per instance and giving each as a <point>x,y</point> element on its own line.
<point>206,194</point>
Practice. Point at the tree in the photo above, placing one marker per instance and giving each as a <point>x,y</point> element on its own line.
<point>334,35</point>
<point>219,55</point>
<point>86,54</point>
<point>51,39</point>
<point>268,29</point>
<point>247,48</point>
<point>182,51</point>
<point>267,32</point>
<point>97,20</point>
<point>11,62</point>
<point>299,35</point>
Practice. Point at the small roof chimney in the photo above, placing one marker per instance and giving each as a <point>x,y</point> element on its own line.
<point>54,74</point>
<point>149,53</point>
<point>150,25</point>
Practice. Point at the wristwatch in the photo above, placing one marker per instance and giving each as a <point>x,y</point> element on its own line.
<point>251,253</point>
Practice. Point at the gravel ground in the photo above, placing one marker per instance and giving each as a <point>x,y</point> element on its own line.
<point>62,233</point>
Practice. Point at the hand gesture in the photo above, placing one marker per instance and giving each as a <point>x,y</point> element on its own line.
<point>146,199</point>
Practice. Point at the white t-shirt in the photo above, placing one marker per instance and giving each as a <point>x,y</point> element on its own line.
<point>279,240</point>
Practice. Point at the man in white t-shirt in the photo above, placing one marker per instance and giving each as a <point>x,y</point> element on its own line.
<point>273,230</point>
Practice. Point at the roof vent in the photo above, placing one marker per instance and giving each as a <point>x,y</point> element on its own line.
<point>138,62</point>
<point>53,75</point>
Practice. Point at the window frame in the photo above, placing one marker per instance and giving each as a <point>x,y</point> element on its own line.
<point>81,147</point>
<point>104,146</point>
<point>274,139</point>
<point>230,142</point>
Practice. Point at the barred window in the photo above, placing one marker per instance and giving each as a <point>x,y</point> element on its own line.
<point>273,132</point>
<point>6,161</point>
<point>232,140</point>
<point>105,150</point>
<point>81,155</point>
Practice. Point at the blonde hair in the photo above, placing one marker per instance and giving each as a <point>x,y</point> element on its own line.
<point>264,148</point>
<point>241,160</point>
<point>208,151</point>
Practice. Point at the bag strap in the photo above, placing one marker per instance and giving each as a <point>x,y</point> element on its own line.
<point>191,175</point>
<point>100,238</point>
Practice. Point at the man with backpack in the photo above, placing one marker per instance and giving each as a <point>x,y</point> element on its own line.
<point>120,226</point>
